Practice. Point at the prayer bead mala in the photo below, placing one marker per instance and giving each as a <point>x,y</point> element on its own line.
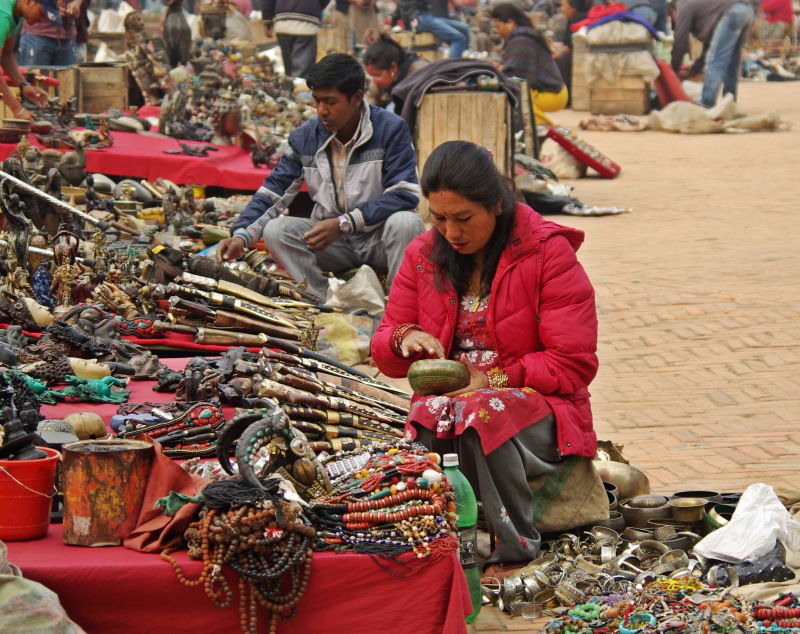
<point>273,562</point>
<point>397,502</point>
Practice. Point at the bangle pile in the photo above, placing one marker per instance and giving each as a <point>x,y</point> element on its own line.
<point>497,377</point>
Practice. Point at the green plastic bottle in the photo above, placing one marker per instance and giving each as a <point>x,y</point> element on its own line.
<point>466,518</point>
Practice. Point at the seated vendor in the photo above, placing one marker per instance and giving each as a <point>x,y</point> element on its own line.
<point>359,166</point>
<point>388,64</point>
<point>526,55</point>
<point>574,11</point>
<point>498,287</point>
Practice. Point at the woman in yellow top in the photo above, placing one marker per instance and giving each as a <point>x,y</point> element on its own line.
<point>526,55</point>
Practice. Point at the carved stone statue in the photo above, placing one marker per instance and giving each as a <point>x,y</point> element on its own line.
<point>176,33</point>
<point>147,62</point>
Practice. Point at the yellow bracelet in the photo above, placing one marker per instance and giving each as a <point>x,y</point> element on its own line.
<point>497,377</point>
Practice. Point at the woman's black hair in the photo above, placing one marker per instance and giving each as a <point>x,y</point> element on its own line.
<point>382,52</point>
<point>469,171</point>
<point>579,5</point>
<point>506,11</point>
<point>339,71</point>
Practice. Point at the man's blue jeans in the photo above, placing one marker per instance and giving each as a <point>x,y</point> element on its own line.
<point>38,50</point>
<point>723,57</point>
<point>455,33</point>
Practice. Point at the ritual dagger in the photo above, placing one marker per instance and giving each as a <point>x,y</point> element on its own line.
<point>225,319</point>
<point>52,200</point>
<point>231,288</point>
<point>232,303</point>
<point>331,367</point>
<point>273,389</point>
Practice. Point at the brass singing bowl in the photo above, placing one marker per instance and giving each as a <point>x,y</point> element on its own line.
<point>688,509</point>
<point>437,376</point>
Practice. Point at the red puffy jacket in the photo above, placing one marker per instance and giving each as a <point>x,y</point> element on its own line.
<point>541,311</point>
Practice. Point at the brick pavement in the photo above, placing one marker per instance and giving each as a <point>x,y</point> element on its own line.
<point>698,304</point>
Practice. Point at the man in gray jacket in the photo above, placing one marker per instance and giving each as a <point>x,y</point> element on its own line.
<point>360,168</point>
<point>722,26</point>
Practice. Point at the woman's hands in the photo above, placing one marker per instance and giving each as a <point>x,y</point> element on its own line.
<point>477,380</point>
<point>417,341</point>
<point>36,95</point>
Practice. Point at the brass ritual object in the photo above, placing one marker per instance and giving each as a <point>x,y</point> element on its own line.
<point>638,510</point>
<point>688,509</point>
<point>437,376</point>
<point>629,480</point>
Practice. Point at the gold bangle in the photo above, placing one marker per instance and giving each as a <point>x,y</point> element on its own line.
<point>497,377</point>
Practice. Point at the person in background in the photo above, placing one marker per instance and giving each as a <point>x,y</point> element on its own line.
<point>363,18</point>
<point>418,15</point>
<point>722,26</point>
<point>295,23</point>
<point>360,169</point>
<point>526,55</point>
<point>82,34</point>
<point>49,43</point>
<point>387,64</point>
<point>12,14</point>
<point>499,288</point>
<point>777,20</point>
<point>655,12</point>
<point>574,11</point>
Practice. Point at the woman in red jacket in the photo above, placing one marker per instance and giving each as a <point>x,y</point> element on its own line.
<point>498,287</point>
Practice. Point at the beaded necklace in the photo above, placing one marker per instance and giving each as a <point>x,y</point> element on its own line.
<point>271,557</point>
<point>398,501</point>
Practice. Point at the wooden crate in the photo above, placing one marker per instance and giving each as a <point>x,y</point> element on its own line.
<point>580,98</point>
<point>628,95</point>
<point>423,44</point>
<point>103,86</point>
<point>333,39</point>
<point>481,117</point>
<point>69,82</point>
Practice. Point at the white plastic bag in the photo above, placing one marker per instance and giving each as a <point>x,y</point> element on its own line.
<point>362,291</point>
<point>759,520</point>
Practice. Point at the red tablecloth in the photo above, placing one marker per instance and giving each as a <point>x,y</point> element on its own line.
<point>141,391</point>
<point>121,591</point>
<point>117,590</point>
<point>142,156</point>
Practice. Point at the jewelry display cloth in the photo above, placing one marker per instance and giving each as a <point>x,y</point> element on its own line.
<point>141,156</point>
<point>346,592</point>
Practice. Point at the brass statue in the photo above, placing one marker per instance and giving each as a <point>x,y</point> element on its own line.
<point>67,271</point>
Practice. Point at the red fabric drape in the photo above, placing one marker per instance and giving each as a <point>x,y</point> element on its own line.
<point>119,591</point>
<point>668,85</point>
<point>142,156</point>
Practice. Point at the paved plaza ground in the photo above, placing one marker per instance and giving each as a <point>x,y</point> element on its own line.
<point>698,299</point>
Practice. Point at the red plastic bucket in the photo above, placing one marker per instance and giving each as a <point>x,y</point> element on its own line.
<point>26,492</point>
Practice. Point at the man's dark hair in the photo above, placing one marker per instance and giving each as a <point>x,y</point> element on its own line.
<point>507,11</point>
<point>468,170</point>
<point>337,70</point>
